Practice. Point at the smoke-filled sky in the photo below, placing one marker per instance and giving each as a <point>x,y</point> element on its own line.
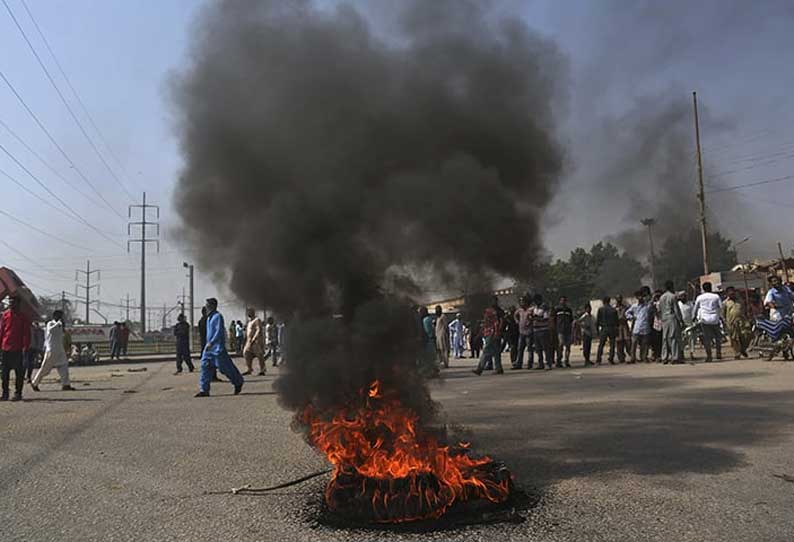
<point>625,123</point>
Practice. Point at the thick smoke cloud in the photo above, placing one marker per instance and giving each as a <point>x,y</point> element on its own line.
<point>323,160</point>
<point>631,130</point>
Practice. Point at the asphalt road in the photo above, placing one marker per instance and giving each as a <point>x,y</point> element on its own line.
<point>628,453</point>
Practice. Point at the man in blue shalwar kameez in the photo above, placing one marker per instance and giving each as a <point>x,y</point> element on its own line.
<point>215,354</point>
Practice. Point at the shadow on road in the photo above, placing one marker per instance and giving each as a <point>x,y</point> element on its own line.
<point>675,431</point>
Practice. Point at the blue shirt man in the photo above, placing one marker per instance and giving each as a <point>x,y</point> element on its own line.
<point>641,314</point>
<point>215,354</point>
<point>779,297</point>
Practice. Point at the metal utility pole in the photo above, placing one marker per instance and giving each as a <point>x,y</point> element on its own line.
<point>783,265</point>
<point>143,240</point>
<point>649,222</point>
<point>182,301</point>
<point>87,287</point>
<point>127,302</point>
<point>701,194</point>
<point>189,267</point>
<point>63,302</point>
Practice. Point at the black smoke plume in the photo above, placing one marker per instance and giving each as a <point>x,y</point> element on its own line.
<point>324,161</point>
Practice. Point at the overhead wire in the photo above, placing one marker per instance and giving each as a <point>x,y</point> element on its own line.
<point>74,91</point>
<point>65,102</point>
<point>77,216</point>
<point>750,185</point>
<point>54,142</point>
<point>42,232</point>
<point>55,172</point>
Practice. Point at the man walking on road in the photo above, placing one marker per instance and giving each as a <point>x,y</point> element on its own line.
<point>54,354</point>
<point>254,344</point>
<point>14,341</point>
<point>215,353</point>
<point>182,335</point>
<point>707,311</point>
<point>607,324</point>
<point>672,325</point>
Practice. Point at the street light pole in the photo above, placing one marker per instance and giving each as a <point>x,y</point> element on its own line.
<point>189,267</point>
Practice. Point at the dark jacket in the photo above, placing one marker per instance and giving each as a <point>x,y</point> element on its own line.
<point>607,319</point>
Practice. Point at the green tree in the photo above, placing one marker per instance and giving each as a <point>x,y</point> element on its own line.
<point>681,257</point>
<point>588,274</point>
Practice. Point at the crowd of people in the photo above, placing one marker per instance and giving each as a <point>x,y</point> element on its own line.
<point>658,327</point>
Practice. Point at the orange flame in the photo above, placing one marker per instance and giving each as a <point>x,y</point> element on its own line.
<point>380,442</point>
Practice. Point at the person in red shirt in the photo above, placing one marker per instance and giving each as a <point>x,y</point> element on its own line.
<point>14,341</point>
<point>491,332</point>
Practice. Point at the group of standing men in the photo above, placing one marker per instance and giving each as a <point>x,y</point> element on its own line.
<point>654,324</point>
<point>16,335</point>
<point>119,340</point>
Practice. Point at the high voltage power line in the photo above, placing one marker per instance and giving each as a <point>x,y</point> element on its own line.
<point>42,232</point>
<point>65,102</point>
<point>46,164</point>
<point>74,214</point>
<point>75,93</point>
<point>56,144</point>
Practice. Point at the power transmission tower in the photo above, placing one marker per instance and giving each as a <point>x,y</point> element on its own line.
<point>702,193</point>
<point>87,287</point>
<point>143,240</point>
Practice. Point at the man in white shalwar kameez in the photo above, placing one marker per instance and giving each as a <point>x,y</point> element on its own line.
<point>54,354</point>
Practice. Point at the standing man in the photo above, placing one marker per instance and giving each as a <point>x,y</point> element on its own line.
<point>215,353</point>
<point>14,341</point>
<point>182,335</point>
<point>442,337</point>
<point>541,334</point>
<point>739,328</point>
<point>685,306</point>
<point>254,344</point>
<point>607,324</point>
<point>115,341</point>
<point>623,339</point>
<point>239,330</point>
<point>54,354</point>
<point>271,340</point>
<point>588,326</point>
<point>523,317</point>
<point>564,320</point>
<point>456,335</point>
<point>672,325</point>
<point>779,298</point>
<point>124,334</point>
<point>641,313</point>
<point>492,349</point>
<point>707,311</point>
<point>35,349</point>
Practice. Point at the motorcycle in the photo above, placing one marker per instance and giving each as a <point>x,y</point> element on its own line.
<point>773,337</point>
<point>693,334</point>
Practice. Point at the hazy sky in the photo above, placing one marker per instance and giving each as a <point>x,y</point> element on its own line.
<point>625,57</point>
